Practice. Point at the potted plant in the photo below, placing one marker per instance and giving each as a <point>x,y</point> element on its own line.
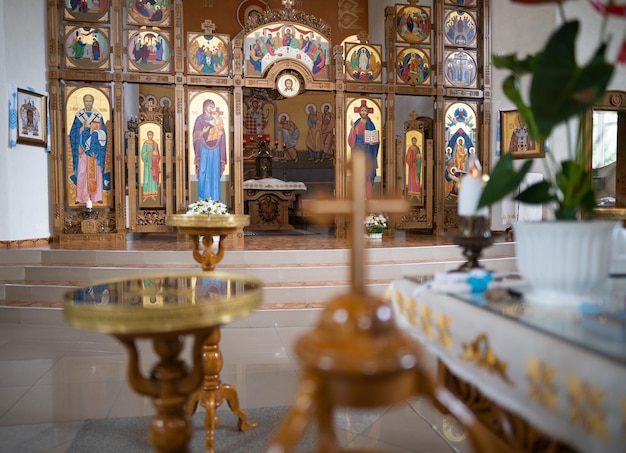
<point>560,93</point>
<point>375,224</point>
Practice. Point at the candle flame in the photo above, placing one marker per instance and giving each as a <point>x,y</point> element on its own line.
<point>476,170</point>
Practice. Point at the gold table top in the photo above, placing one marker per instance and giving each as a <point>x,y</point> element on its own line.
<point>217,221</point>
<point>162,303</point>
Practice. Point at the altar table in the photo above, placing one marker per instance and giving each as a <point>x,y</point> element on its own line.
<point>268,201</point>
<point>559,372</point>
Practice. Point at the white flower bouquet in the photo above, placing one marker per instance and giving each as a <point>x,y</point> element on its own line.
<point>208,207</point>
<point>375,223</point>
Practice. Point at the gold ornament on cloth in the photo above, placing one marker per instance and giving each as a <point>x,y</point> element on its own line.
<point>587,406</point>
<point>480,353</point>
<point>542,383</point>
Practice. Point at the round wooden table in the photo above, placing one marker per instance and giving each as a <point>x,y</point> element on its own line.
<point>165,309</point>
<point>213,391</point>
<point>206,226</point>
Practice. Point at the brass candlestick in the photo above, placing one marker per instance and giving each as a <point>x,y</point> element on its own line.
<point>473,235</point>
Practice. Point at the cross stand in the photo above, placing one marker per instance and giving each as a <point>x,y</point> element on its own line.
<point>356,356</point>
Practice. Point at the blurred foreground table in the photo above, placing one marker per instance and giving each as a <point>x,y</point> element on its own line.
<point>543,378</point>
<point>165,309</point>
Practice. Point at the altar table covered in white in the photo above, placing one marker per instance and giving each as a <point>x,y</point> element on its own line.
<point>268,202</point>
<point>563,372</point>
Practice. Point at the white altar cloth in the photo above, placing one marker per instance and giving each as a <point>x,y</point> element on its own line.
<point>562,386</point>
<point>273,184</point>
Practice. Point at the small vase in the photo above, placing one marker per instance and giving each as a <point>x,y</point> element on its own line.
<point>565,262</point>
<point>374,235</point>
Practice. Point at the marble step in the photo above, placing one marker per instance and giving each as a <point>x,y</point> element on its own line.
<point>291,278</point>
<point>240,257</point>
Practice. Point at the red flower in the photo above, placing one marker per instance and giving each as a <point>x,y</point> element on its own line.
<point>536,2</point>
<point>608,7</point>
<point>621,56</point>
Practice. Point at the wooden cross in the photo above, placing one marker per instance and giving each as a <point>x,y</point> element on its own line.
<point>357,109</point>
<point>150,106</point>
<point>362,36</point>
<point>414,115</point>
<point>208,27</point>
<point>358,207</point>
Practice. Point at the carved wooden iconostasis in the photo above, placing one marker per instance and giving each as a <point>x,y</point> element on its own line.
<point>155,104</point>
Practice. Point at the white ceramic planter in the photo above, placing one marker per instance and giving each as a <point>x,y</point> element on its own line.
<point>564,261</point>
<point>374,235</point>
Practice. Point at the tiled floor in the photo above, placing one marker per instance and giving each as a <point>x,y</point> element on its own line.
<point>53,376</point>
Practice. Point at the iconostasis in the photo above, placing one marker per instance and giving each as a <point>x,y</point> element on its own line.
<point>155,104</point>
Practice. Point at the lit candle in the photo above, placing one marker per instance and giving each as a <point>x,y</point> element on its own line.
<point>471,189</point>
<point>89,204</point>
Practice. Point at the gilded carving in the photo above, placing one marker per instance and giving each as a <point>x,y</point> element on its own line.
<point>399,302</point>
<point>444,335</point>
<point>151,217</point>
<point>275,15</point>
<point>542,383</point>
<point>101,222</point>
<point>479,352</point>
<point>426,321</point>
<point>411,306</point>
<point>587,406</point>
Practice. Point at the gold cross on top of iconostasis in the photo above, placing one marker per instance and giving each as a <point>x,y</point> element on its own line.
<point>358,208</point>
<point>363,37</point>
<point>208,27</point>
<point>288,4</point>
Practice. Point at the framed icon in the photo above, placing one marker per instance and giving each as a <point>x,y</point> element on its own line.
<point>364,62</point>
<point>288,85</point>
<point>148,50</point>
<point>413,24</point>
<point>92,11</point>
<point>208,54</point>
<point>460,28</point>
<point>515,139</point>
<point>87,47</point>
<point>32,117</point>
<point>413,66</point>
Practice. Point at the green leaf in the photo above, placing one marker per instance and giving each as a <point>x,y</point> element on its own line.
<point>560,89</point>
<point>566,213</point>
<point>503,180</point>
<point>511,88</point>
<point>538,193</point>
<point>512,63</point>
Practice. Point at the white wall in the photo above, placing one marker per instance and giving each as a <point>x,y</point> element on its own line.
<point>24,190</point>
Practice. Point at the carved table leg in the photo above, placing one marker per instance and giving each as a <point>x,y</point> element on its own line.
<point>170,383</point>
<point>212,392</point>
<point>204,255</point>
